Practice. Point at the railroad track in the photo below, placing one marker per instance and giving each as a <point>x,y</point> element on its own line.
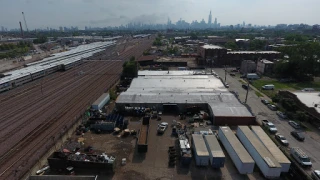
<point>30,138</point>
<point>49,126</point>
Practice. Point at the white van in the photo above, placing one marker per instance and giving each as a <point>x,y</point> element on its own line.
<point>268,87</point>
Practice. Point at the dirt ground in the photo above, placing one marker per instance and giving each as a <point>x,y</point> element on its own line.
<point>154,163</point>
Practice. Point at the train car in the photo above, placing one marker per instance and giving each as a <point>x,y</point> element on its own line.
<point>5,86</point>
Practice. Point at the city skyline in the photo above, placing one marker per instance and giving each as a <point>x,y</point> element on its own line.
<point>99,13</point>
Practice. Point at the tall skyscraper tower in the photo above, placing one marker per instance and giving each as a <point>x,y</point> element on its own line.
<point>210,19</point>
<point>215,24</point>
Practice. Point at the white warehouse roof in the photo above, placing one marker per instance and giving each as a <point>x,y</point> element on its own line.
<point>183,87</point>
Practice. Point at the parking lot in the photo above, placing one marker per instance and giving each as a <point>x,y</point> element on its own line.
<point>311,145</point>
<point>154,163</point>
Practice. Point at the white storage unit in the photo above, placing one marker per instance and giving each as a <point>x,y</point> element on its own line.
<point>268,165</point>
<point>239,155</point>
<point>272,147</point>
<point>101,101</point>
<point>217,157</point>
<point>200,151</point>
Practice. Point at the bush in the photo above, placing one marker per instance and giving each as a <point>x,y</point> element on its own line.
<point>276,98</point>
<point>288,104</point>
<point>301,116</point>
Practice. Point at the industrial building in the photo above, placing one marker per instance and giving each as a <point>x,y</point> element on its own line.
<point>265,66</point>
<point>176,91</point>
<point>248,66</point>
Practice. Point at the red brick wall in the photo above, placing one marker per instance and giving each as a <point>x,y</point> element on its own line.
<point>234,121</point>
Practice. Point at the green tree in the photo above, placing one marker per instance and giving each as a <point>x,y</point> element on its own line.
<point>231,45</point>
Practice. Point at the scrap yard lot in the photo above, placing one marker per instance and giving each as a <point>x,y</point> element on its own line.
<point>34,116</point>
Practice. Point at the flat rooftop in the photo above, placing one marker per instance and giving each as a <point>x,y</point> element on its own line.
<point>253,52</point>
<point>183,87</point>
<point>210,46</point>
<point>309,99</point>
<point>242,153</point>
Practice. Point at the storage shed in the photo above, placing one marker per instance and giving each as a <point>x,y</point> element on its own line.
<point>217,157</point>
<point>101,101</point>
<point>268,165</point>
<point>239,155</point>
<point>200,151</point>
<point>272,147</point>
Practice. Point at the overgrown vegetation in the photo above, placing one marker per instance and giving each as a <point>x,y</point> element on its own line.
<point>40,40</point>
<point>303,63</point>
<point>14,50</point>
<point>130,68</point>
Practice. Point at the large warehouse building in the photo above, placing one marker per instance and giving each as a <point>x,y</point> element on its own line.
<point>178,90</point>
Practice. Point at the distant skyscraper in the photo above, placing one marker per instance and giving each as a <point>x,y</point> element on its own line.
<point>2,29</point>
<point>210,19</point>
<point>215,25</point>
<point>243,24</point>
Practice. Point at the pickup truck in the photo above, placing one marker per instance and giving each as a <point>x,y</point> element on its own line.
<point>270,126</point>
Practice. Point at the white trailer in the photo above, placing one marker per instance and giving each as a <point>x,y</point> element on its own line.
<point>272,147</point>
<point>268,165</point>
<point>217,157</point>
<point>101,101</point>
<point>200,151</point>
<point>239,155</point>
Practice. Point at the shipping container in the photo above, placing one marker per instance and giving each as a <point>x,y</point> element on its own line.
<point>217,157</point>
<point>239,155</point>
<point>267,164</point>
<point>101,101</point>
<point>272,147</point>
<point>200,151</point>
<point>143,135</point>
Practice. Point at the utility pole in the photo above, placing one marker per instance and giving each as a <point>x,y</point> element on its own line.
<point>225,73</point>
<point>247,92</point>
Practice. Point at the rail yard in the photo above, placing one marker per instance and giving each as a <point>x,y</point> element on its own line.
<point>37,114</point>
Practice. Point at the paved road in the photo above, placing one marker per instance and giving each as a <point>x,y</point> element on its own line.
<point>311,145</point>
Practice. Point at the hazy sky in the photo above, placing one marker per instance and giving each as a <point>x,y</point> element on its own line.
<point>101,13</point>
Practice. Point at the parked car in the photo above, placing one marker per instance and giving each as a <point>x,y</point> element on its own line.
<point>232,74</point>
<point>162,127</point>
<point>301,157</point>
<point>226,85</point>
<point>294,124</point>
<point>282,139</point>
<point>234,70</point>
<point>243,76</point>
<point>272,107</point>
<point>281,114</point>
<point>270,126</point>
<point>298,135</point>
<point>264,101</point>
<point>315,174</point>
<point>244,86</point>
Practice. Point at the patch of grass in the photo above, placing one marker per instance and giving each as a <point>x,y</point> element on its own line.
<point>258,94</point>
<point>286,86</point>
<point>242,82</point>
